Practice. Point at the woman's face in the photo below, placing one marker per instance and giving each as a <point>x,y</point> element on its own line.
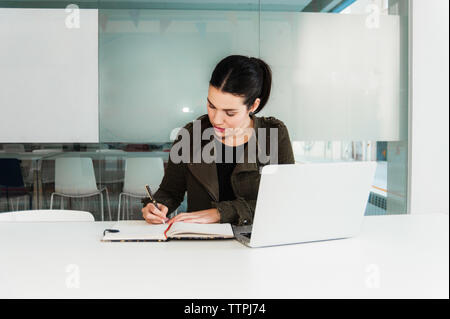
<point>228,111</point>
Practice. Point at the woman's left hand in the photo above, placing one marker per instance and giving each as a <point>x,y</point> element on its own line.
<point>207,216</point>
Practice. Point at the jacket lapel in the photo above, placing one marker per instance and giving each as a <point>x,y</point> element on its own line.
<point>206,174</point>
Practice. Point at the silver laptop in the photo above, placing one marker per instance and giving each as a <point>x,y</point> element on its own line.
<point>300,203</point>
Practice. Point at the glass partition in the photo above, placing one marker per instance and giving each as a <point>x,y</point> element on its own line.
<point>340,84</point>
<point>155,66</point>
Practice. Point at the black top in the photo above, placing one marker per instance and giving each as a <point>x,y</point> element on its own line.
<point>225,164</point>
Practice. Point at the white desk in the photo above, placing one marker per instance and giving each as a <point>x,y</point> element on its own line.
<point>394,256</point>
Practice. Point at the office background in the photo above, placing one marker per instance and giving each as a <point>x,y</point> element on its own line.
<point>102,87</point>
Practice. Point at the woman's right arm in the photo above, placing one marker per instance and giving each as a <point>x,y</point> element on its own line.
<point>173,186</point>
<point>170,192</point>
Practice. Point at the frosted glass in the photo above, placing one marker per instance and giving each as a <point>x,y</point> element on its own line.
<point>155,67</point>
<point>48,77</point>
<point>335,77</point>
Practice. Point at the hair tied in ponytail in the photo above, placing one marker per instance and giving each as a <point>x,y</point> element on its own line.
<point>245,76</point>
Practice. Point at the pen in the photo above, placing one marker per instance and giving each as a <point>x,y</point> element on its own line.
<point>149,193</point>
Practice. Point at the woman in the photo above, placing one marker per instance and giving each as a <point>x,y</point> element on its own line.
<point>224,190</point>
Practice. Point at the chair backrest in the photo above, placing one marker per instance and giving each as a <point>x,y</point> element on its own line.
<point>140,171</point>
<point>75,176</point>
<point>47,216</point>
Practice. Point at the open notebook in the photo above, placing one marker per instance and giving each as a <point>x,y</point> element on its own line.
<point>137,230</point>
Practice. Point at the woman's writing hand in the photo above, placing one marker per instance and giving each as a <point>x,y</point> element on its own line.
<point>152,215</point>
<point>207,216</point>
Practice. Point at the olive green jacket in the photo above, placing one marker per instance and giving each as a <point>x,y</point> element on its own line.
<point>200,179</point>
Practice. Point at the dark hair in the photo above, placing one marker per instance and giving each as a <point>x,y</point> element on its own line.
<point>244,76</point>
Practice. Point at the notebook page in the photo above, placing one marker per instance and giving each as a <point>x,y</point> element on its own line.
<point>182,229</point>
<point>136,230</point>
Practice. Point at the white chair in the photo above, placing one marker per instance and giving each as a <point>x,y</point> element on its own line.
<point>47,216</point>
<point>75,178</point>
<point>140,171</point>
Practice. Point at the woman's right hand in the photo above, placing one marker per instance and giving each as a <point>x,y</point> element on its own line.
<point>152,215</point>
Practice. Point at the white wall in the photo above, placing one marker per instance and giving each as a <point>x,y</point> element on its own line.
<point>429,127</point>
<point>48,76</point>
